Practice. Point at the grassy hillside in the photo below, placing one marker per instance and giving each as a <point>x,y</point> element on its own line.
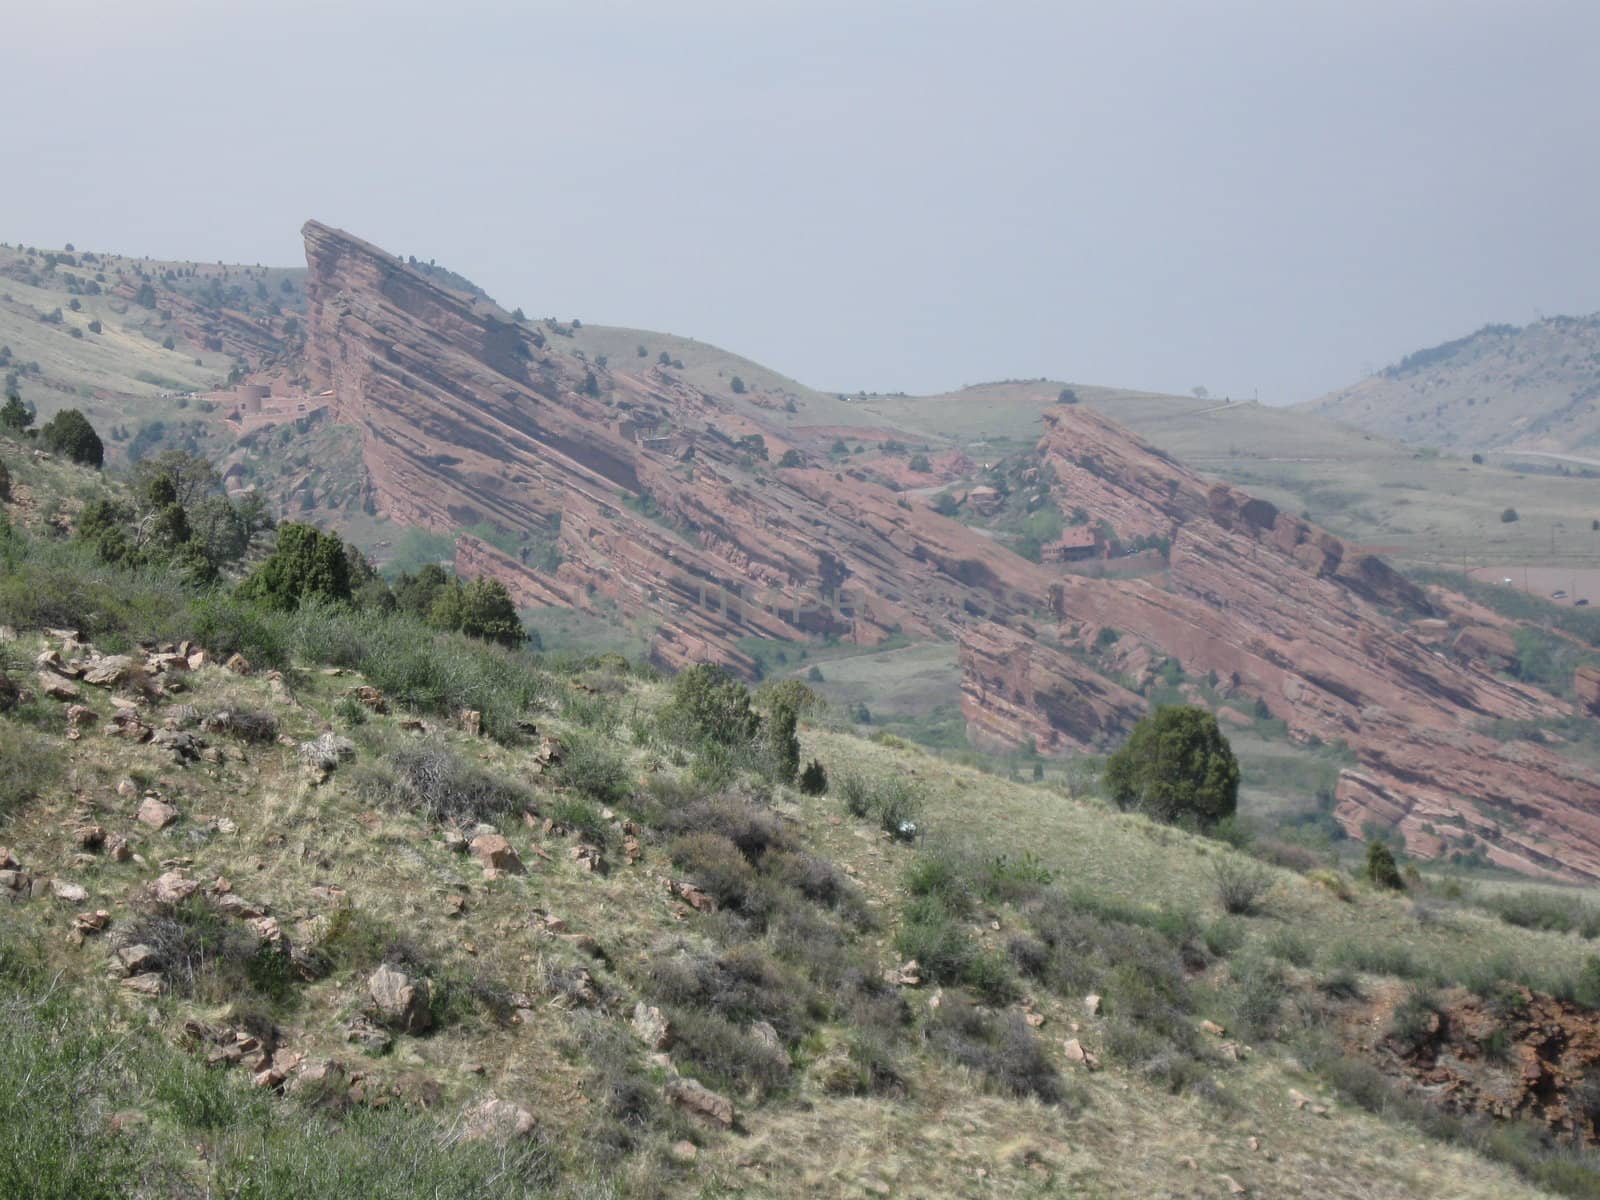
<point>71,336</point>
<point>1528,389</point>
<point>290,830</point>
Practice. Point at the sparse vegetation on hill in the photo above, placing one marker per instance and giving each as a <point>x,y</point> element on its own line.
<point>394,903</point>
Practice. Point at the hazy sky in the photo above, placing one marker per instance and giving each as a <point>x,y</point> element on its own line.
<point>863,194</point>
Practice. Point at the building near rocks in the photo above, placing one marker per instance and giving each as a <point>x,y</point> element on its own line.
<point>1074,545</point>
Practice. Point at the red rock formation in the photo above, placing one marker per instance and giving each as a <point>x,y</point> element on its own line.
<point>469,417</point>
<point>1550,1047</point>
<point>1338,645</point>
<point>1016,690</point>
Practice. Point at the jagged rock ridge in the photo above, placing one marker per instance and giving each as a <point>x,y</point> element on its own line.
<point>1334,641</point>
<point>661,509</point>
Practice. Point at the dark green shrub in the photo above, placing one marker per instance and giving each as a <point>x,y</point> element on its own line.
<point>708,704</point>
<point>1381,870</point>
<point>1176,765</point>
<point>814,779</point>
<point>5,481</point>
<point>1587,990</point>
<point>581,816</point>
<point>590,766</point>
<point>70,433</point>
<point>306,564</point>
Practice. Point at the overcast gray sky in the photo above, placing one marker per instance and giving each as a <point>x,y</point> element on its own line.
<point>864,194</point>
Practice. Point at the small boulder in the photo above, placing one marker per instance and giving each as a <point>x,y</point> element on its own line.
<point>497,1121</point>
<point>137,959</point>
<point>907,974</point>
<point>174,887</point>
<point>695,1098</point>
<point>401,1000</point>
<point>1076,1052</point>
<point>109,671</point>
<point>148,984</point>
<point>91,922</point>
<point>650,1026</point>
<point>495,853</point>
<point>67,891</point>
<point>57,687</point>
<point>156,813</point>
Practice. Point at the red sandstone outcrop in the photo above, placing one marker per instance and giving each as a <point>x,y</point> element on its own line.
<point>1337,644</point>
<point>1017,690</point>
<point>468,417</point>
<point>1549,1049</point>
<point>657,506</point>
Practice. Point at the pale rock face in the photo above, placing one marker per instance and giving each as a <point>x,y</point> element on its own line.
<point>694,1097</point>
<point>156,813</point>
<point>401,1000</point>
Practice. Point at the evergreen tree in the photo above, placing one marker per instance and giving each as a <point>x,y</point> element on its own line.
<point>70,433</point>
<point>307,564</point>
<point>1176,765</point>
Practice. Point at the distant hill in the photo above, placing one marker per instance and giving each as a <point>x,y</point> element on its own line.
<point>1528,389</point>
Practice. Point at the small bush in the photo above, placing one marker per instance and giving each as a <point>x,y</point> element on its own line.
<point>726,1056</point>
<point>246,724</point>
<point>226,627</point>
<point>948,953</point>
<point>938,873</point>
<point>1587,990</point>
<point>1291,948</point>
<point>581,816</point>
<point>435,781</point>
<point>591,767</point>
<point>1258,994</point>
<point>1000,1047</point>
<point>1381,870</point>
<point>814,779</point>
<point>1376,958</point>
<point>1224,936</point>
<point>715,864</point>
<point>1239,886</point>
<point>1550,911</point>
<point>1340,984</point>
<point>1417,1018</point>
<point>196,942</point>
<point>855,790</point>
